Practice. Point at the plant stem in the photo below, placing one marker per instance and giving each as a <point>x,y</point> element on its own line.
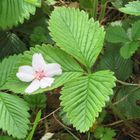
<point>127,84</point>
<point>102,13</point>
<point>88,136</point>
<point>94,9</point>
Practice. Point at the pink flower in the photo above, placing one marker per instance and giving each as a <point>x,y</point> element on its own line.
<point>40,74</point>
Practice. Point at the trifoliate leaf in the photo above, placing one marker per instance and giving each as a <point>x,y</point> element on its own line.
<point>83,98</point>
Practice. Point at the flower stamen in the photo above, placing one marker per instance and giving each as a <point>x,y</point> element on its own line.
<point>39,75</point>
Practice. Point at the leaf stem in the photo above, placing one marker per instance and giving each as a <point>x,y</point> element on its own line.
<point>102,13</point>
<point>88,136</point>
<point>94,9</point>
<point>127,84</point>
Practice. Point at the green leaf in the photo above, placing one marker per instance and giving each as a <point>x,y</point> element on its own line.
<point>136,30</point>
<point>29,25</point>
<point>128,101</point>
<point>81,37</point>
<point>40,35</point>
<point>116,34</point>
<point>34,2</point>
<point>129,49</point>
<point>36,101</point>
<point>132,8</point>
<point>6,67</point>
<point>104,133</point>
<point>10,44</point>
<point>14,115</point>
<point>13,12</point>
<point>71,69</point>
<point>83,98</point>
<point>113,61</point>
<point>86,4</point>
<point>38,116</point>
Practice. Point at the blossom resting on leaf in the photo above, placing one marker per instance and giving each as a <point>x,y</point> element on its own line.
<point>40,74</point>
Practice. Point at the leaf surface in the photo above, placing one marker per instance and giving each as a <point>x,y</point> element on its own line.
<point>83,98</point>
<point>75,33</point>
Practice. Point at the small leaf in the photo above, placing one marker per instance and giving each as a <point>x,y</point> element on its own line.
<point>132,8</point>
<point>83,98</point>
<point>128,100</point>
<point>136,30</point>
<point>81,37</point>
<point>129,49</point>
<point>10,44</point>
<point>104,133</point>
<point>116,34</point>
<point>36,101</point>
<point>113,61</point>
<point>14,115</point>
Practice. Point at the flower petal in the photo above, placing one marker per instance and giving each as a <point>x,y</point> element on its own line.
<point>33,86</point>
<point>25,77</point>
<point>38,62</point>
<point>26,69</point>
<point>53,69</point>
<point>46,82</point>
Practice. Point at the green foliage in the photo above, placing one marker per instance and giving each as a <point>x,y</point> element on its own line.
<point>38,116</point>
<point>28,26</point>
<point>34,2</point>
<point>14,115</point>
<point>113,61</point>
<point>10,44</point>
<point>136,30</point>
<point>129,40</point>
<point>128,101</point>
<point>40,35</point>
<point>36,101</point>
<point>116,34</point>
<point>86,4</point>
<point>81,37</point>
<point>132,8</point>
<point>84,97</point>
<point>104,133</point>
<point>119,3</point>
<point>129,49</point>
<point>71,69</point>
<point>64,117</point>
<point>15,12</point>
<point>6,67</point>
